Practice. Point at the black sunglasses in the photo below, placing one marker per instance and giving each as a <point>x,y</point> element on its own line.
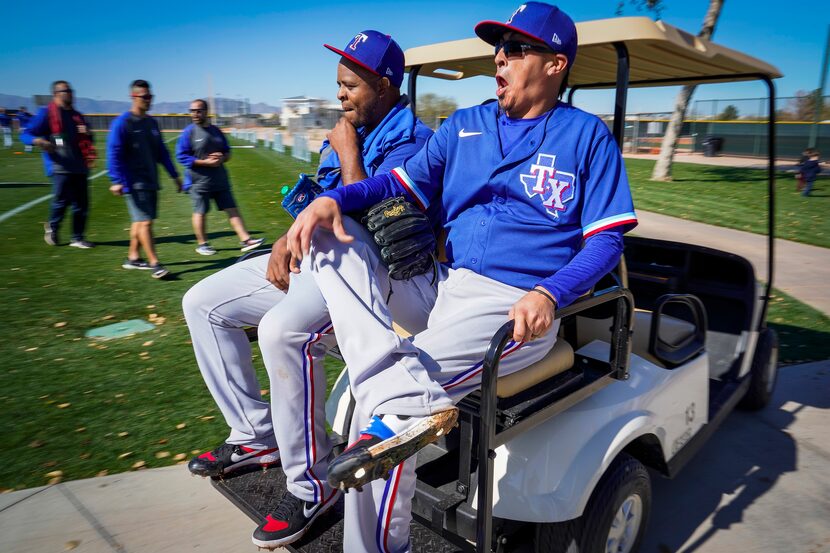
<point>143,96</point>
<point>518,48</point>
<point>67,90</point>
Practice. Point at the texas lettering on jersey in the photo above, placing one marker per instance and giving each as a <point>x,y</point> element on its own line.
<point>554,187</point>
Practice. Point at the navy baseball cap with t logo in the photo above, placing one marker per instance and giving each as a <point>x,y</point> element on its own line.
<point>537,20</point>
<point>376,52</point>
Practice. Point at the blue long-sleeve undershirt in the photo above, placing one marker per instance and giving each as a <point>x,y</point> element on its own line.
<point>600,254</point>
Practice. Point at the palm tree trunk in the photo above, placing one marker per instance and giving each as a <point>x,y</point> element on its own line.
<point>662,169</point>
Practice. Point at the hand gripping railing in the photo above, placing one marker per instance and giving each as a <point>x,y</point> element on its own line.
<point>620,351</point>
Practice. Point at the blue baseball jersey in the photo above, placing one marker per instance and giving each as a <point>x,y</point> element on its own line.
<point>518,217</point>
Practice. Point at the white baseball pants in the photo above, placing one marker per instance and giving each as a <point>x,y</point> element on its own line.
<point>294,334</point>
<point>391,376</point>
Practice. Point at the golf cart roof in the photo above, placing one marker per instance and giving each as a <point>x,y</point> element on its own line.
<point>657,52</point>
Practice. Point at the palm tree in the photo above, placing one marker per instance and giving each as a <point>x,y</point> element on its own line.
<point>662,169</point>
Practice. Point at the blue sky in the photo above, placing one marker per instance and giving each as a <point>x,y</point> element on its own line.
<point>266,51</point>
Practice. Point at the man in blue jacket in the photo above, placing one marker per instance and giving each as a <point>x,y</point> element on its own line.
<point>204,150</point>
<point>68,153</point>
<point>134,148</point>
<point>376,133</point>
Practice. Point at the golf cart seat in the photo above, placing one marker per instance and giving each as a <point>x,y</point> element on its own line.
<point>559,359</point>
<point>672,331</point>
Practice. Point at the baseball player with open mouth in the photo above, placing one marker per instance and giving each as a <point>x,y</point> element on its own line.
<point>535,202</point>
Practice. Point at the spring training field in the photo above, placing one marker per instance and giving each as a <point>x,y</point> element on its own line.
<point>73,407</point>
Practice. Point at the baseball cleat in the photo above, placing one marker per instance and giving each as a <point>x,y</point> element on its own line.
<point>228,457</point>
<point>290,520</point>
<point>378,449</point>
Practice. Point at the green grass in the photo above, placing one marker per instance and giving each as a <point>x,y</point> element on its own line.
<point>77,406</point>
<point>803,332</point>
<point>735,198</point>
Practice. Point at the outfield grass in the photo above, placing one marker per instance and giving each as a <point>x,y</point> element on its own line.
<point>735,198</point>
<point>77,406</point>
<point>81,407</point>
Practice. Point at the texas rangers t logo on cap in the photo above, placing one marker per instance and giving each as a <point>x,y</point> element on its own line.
<point>520,9</point>
<point>358,38</point>
<point>554,187</point>
<point>376,52</point>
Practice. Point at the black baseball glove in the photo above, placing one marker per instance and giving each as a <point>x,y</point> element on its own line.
<point>404,234</point>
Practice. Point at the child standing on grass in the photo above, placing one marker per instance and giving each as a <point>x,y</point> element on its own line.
<point>809,169</point>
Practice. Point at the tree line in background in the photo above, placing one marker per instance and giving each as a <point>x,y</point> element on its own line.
<point>800,107</point>
<point>432,108</point>
<point>803,106</point>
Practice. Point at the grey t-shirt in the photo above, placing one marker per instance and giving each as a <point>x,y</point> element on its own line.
<point>205,141</point>
<point>143,145</point>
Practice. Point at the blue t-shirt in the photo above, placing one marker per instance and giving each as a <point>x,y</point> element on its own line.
<point>512,131</point>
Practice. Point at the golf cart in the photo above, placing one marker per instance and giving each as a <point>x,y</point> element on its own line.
<point>646,367</point>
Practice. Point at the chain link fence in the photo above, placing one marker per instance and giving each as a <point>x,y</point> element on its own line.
<point>737,126</point>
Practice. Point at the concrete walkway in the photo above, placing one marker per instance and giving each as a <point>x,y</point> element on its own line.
<point>729,161</point>
<point>760,485</point>
<point>147,511</point>
<point>801,271</point>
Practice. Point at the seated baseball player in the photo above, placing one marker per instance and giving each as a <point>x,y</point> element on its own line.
<point>535,200</point>
<point>376,133</point>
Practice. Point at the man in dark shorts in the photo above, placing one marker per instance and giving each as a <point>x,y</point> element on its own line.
<point>204,150</point>
<point>134,148</point>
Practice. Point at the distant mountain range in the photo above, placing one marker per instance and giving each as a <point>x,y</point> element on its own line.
<point>88,105</point>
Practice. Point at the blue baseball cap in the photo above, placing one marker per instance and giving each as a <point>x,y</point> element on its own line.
<point>376,52</point>
<point>537,20</point>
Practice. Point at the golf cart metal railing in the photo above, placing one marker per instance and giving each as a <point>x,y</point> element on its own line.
<point>490,439</point>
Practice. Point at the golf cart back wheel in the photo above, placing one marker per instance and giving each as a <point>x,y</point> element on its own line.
<point>614,520</point>
<point>763,373</point>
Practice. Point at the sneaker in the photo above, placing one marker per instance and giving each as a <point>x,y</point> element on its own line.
<point>228,457</point>
<point>50,236</point>
<point>83,244</point>
<point>205,249</point>
<point>159,271</point>
<point>250,244</point>
<point>290,520</point>
<point>378,449</point>
<point>136,264</point>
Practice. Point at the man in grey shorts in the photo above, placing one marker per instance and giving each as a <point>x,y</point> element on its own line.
<point>134,148</point>
<point>204,150</point>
